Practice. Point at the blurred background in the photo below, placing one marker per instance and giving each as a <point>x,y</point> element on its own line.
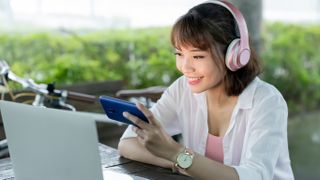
<point>72,42</point>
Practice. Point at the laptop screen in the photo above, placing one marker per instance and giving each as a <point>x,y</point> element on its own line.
<point>51,144</point>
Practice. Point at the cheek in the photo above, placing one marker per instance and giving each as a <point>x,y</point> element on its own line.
<point>178,65</point>
<point>215,75</point>
<point>211,71</point>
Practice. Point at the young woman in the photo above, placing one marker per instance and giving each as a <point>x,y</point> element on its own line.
<point>234,125</point>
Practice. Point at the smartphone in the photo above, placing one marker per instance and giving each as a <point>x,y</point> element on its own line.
<point>114,108</point>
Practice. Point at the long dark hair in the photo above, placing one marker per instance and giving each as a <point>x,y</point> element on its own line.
<point>212,27</point>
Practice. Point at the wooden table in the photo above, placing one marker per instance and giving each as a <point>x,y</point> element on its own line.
<point>112,163</point>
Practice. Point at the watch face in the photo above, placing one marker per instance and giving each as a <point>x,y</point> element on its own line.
<point>184,160</point>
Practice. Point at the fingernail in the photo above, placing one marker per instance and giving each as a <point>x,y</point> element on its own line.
<point>125,114</point>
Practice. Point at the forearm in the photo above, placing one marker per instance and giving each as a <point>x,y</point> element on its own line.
<point>204,168</point>
<point>130,148</point>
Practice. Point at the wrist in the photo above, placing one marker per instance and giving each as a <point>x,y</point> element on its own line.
<point>184,159</point>
<point>173,156</point>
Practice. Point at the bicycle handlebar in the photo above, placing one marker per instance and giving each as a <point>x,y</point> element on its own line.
<point>44,89</point>
<point>29,84</point>
<point>81,97</point>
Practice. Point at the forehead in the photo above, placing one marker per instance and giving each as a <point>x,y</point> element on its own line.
<point>186,33</point>
<point>186,41</point>
<point>190,49</point>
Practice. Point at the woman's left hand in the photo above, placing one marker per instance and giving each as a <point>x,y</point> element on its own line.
<point>153,136</point>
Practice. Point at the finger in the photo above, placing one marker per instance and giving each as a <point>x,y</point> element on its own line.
<point>139,132</point>
<point>141,140</point>
<point>141,124</point>
<point>147,113</point>
<point>140,135</point>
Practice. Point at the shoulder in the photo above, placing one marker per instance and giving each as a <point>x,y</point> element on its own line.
<point>268,93</point>
<point>260,97</point>
<point>258,91</point>
<point>264,103</point>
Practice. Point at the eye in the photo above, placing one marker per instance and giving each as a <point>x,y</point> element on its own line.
<point>177,54</point>
<point>198,57</point>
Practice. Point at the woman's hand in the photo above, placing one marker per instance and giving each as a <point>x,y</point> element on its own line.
<point>153,136</point>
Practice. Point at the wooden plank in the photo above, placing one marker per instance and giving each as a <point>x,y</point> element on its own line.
<point>112,161</point>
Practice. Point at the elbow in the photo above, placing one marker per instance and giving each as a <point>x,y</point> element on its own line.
<point>121,148</point>
<point>252,173</point>
<point>125,148</point>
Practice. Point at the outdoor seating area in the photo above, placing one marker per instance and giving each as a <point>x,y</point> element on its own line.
<point>238,81</point>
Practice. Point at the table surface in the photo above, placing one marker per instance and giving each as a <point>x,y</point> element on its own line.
<point>112,163</point>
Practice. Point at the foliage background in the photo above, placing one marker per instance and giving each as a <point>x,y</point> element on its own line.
<point>144,57</point>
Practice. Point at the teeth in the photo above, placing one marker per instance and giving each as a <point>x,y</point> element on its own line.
<point>194,78</point>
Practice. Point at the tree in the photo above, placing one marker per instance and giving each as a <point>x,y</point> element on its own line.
<point>5,12</point>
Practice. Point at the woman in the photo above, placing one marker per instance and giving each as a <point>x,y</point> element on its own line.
<point>234,125</point>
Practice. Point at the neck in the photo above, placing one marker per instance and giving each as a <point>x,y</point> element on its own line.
<point>218,97</point>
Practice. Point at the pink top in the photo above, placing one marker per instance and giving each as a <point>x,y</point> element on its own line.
<point>214,149</point>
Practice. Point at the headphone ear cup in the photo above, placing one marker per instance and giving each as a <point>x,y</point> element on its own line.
<point>232,55</point>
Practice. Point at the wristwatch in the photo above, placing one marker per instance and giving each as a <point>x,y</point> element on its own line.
<point>184,159</point>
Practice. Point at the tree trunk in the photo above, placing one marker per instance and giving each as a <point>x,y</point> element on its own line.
<point>5,13</point>
<point>252,11</point>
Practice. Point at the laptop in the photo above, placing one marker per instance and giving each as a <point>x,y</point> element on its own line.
<point>51,144</point>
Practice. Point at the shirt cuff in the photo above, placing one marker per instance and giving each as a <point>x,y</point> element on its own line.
<point>128,133</point>
<point>246,173</point>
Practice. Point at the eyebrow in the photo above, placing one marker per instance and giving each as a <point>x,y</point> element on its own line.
<point>192,50</point>
<point>196,50</point>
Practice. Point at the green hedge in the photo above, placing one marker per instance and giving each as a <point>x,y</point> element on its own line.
<point>292,63</point>
<point>144,57</point>
<point>141,57</point>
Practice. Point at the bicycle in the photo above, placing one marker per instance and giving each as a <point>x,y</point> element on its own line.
<point>40,91</point>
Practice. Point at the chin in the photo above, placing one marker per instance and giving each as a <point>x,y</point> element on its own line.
<point>197,90</point>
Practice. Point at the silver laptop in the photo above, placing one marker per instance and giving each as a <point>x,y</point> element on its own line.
<point>51,144</point>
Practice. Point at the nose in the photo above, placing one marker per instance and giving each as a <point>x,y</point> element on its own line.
<point>185,65</point>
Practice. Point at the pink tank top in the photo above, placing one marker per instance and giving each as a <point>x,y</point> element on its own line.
<point>214,149</point>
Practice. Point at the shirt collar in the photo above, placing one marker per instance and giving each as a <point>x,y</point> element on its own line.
<point>245,100</point>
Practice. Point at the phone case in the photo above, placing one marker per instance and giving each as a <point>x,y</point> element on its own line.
<point>114,108</point>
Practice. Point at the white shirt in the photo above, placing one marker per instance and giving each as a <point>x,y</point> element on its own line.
<point>255,143</point>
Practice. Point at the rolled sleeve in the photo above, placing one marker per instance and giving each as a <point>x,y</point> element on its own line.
<point>246,173</point>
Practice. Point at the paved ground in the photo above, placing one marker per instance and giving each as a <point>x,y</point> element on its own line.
<point>304,145</point>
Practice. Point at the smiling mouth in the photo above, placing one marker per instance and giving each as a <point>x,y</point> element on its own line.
<point>194,80</point>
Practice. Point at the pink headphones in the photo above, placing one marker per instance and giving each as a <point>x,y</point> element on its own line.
<point>238,52</point>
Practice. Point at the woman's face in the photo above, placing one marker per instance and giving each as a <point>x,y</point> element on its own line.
<point>199,69</point>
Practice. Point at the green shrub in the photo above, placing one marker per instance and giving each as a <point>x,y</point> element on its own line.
<point>144,57</point>
<point>292,63</point>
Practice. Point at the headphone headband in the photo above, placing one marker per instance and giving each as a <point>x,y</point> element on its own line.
<point>243,54</point>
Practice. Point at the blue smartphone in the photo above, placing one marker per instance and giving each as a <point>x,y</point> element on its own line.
<point>114,108</point>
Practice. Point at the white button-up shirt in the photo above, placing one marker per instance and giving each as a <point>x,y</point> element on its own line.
<point>255,143</point>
